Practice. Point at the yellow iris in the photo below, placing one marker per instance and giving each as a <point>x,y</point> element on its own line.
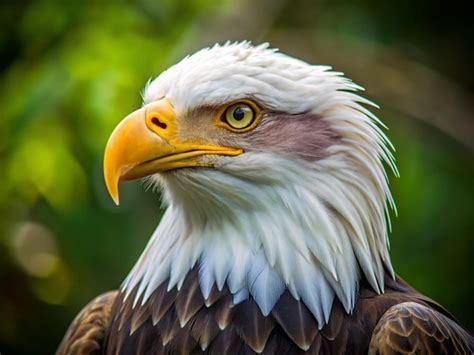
<point>239,116</point>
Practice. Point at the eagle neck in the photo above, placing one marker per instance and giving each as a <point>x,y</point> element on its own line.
<point>260,234</point>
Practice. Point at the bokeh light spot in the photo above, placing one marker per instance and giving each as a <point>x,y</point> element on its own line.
<point>34,248</point>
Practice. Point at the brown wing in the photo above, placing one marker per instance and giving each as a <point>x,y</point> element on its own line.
<point>414,328</point>
<point>86,333</point>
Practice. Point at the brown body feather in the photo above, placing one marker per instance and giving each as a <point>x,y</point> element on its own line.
<point>87,332</point>
<point>399,321</point>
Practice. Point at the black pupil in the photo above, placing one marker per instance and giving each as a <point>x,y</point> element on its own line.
<point>238,114</point>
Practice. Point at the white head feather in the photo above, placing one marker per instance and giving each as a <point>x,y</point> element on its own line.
<point>262,221</point>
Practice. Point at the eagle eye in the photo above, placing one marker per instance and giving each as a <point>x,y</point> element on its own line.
<point>241,116</point>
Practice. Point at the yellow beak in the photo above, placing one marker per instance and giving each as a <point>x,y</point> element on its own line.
<point>145,142</point>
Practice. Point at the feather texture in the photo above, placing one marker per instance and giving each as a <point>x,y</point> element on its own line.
<point>268,251</point>
<point>264,284</point>
<point>398,320</point>
<point>309,197</point>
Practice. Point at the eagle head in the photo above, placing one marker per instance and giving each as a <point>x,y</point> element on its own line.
<point>271,172</point>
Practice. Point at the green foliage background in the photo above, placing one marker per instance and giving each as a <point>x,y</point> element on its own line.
<point>70,70</point>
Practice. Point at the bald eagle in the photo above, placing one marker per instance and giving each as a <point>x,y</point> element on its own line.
<point>274,238</point>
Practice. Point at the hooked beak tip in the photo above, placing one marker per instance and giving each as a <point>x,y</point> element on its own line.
<point>112,179</point>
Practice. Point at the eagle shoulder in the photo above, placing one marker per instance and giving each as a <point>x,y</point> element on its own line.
<point>86,333</point>
<point>411,327</point>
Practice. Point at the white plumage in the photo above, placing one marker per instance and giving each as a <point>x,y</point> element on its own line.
<point>263,221</point>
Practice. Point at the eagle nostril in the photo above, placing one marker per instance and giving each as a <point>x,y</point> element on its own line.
<point>158,123</point>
